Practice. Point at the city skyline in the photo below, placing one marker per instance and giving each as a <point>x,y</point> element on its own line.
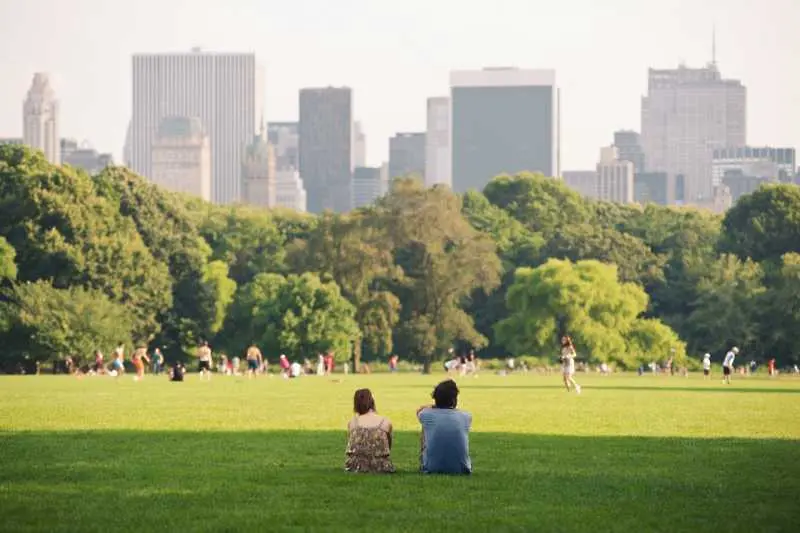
<point>93,83</point>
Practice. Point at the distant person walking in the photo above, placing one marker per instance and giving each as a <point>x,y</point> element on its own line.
<point>118,364</point>
<point>158,361</point>
<point>771,367</point>
<point>568,355</point>
<point>139,358</point>
<point>284,363</point>
<point>727,365</point>
<point>204,355</point>
<point>706,366</point>
<point>254,361</point>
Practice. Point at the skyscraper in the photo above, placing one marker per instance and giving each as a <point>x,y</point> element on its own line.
<point>366,186</point>
<point>752,161</point>
<point>407,155</point>
<point>223,90</point>
<point>258,172</point>
<point>284,137</point>
<point>40,119</point>
<point>504,120</point>
<point>437,142</point>
<point>614,177</point>
<point>686,114</point>
<point>289,190</point>
<point>181,157</point>
<point>359,146</point>
<point>326,147</point>
<point>629,146</point>
<point>582,181</point>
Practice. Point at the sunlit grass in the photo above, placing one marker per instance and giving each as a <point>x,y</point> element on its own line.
<point>630,453</point>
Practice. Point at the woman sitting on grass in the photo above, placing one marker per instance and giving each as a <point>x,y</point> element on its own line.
<point>369,441</point>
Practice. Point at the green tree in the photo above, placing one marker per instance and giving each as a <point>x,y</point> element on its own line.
<point>727,306</point>
<point>8,269</point>
<point>583,299</point>
<point>443,260</point>
<point>350,250</point>
<point>764,224</point>
<point>66,322</point>
<point>223,288</point>
<point>64,231</point>
<point>650,339</point>
<point>299,316</point>
<point>780,312</point>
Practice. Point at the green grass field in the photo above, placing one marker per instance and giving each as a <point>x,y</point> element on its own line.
<point>629,454</point>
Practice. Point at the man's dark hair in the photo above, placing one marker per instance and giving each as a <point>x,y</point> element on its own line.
<point>445,395</point>
<point>363,402</point>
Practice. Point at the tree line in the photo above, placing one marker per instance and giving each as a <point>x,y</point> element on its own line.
<point>87,262</point>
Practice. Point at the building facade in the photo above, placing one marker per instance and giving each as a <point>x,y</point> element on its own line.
<point>359,146</point>
<point>503,120</point>
<point>258,173</point>
<point>285,139</point>
<point>437,142</point>
<point>614,177</point>
<point>223,90</point>
<point>629,146</point>
<point>326,148</point>
<point>686,114</point>
<point>407,155</point>
<point>754,160</point>
<point>289,190</point>
<point>40,119</point>
<point>181,157</point>
<point>84,157</point>
<point>582,181</point>
<point>367,186</point>
<point>658,188</point>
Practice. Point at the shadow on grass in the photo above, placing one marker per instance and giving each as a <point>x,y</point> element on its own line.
<point>293,480</point>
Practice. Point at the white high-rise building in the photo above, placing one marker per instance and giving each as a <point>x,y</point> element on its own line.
<point>40,119</point>
<point>284,137</point>
<point>437,142</point>
<point>223,90</point>
<point>359,145</point>
<point>258,172</point>
<point>614,177</point>
<point>181,157</point>
<point>582,181</point>
<point>687,113</point>
<point>289,190</point>
<point>502,121</point>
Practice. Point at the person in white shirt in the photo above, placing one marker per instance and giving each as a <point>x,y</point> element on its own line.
<point>727,365</point>
<point>568,364</point>
<point>296,370</point>
<point>706,366</point>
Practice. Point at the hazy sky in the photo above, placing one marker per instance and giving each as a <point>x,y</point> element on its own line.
<point>394,54</point>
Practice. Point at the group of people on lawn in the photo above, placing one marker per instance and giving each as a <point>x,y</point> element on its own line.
<point>444,447</point>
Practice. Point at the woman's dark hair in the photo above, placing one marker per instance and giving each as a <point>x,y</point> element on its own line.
<point>363,402</point>
<point>445,395</point>
<point>566,340</point>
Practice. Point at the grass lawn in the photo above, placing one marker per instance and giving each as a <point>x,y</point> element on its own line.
<point>629,454</point>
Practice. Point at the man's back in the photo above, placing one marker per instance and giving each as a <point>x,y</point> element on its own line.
<point>446,441</point>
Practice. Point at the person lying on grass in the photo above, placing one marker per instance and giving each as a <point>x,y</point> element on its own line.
<point>444,447</point>
<point>369,437</point>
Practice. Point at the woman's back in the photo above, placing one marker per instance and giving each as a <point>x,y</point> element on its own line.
<point>369,444</point>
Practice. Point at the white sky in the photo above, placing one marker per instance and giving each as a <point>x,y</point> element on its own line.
<point>396,54</point>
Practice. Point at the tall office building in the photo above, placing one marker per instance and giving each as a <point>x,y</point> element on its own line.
<point>366,186</point>
<point>754,161</point>
<point>407,155</point>
<point>359,146</point>
<point>503,120</point>
<point>658,188</point>
<point>326,147</point>
<point>582,181</point>
<point>686,114</point>
<point>223,90</point>
<point>84,156</point>
<point>629,146</point>
<point>614,177</point>
<point>284,137</point>
<point>289,190</point>
<point>40,119</point>
<point>437,142</point>
<point>258,172</point>
<point>181,157</point>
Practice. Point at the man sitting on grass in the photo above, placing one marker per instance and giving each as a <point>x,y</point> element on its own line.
<point>445,433</point>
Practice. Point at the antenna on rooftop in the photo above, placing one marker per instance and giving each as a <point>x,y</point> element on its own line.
<point>714,45</point>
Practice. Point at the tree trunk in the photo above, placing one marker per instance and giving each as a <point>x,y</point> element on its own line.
<point>357,355</point>
<point>426,364</point>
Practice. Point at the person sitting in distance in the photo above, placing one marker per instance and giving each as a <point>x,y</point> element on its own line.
<point>445,433</point>
<point>369,437</point>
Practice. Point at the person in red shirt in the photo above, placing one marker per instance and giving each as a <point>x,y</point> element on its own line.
<point>284,362</point>
<point>771,367</point>
<point>393,363</point>
<point>329,363</point>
